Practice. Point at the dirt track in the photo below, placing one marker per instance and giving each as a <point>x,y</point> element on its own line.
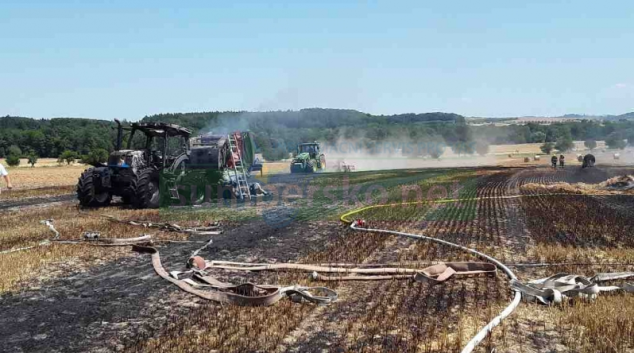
<point>35,201</point>
<point>109,307</point>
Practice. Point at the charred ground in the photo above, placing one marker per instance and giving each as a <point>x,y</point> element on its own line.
<point>105,302</point>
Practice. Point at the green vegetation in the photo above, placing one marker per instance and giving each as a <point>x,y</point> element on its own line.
<point>13,160</point>
<point>67,156</point>
<point>591,144</point>
<point>564,144</point>
<point>32,158</point>
<point>96,156</point>
<point>547,147</point>
<point>49,138</point>
<point>13,156</point>
<point>278,133</point>
<point>616,140</point>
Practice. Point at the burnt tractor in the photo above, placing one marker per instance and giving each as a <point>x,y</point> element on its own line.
<point>133,173</point>
<point>227,162</point>
<point>308,159</point>
<point>162,159</point>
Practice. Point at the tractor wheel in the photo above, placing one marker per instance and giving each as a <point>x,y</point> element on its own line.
<point>309,168</point>
<point>296,169</point>
<point>88,195</point>
<point>146,189</point>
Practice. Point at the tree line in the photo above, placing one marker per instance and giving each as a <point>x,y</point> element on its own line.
<point>74,138</point>
<point>279,132</point>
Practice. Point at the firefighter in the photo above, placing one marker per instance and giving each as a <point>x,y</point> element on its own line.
<point>561,161</point>
<point>553,161</point>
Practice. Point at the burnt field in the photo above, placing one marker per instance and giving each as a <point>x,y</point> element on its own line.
<point>81,298</point>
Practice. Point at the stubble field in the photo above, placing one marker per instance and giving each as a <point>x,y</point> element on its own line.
<point>77,297</point>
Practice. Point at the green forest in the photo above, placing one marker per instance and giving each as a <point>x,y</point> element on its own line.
<point>279,132</point>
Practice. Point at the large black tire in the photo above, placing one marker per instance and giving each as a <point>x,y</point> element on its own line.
<point>88,195</point>
<point>296,169</point>
<point>309,168</point>
<point>146,189</point>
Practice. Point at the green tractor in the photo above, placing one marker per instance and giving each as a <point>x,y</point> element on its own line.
<point>308,159</point>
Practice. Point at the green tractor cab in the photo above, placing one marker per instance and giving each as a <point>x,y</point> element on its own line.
<point>308,159</point>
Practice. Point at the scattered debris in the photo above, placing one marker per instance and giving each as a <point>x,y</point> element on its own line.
<point>616,185</point>
<point>621,183</point>
<point>212,228</point>
<point>91,238</point>
<point>49,224</point>
<point>91,235</point>
<point>42,243</point>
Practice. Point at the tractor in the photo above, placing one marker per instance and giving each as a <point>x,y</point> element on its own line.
<point>133,174</point>
<point>308,159</point>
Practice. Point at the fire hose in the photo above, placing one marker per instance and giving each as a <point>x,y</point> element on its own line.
<point>547,290</point>
<point>247,294</point>
<point>89,238</point>
<point>482,334</point>
<point>435,274</point>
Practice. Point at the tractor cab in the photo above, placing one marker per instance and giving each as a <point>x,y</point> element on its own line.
<point>153,149</point>
<point>311,148</point>
<point>150,144</point>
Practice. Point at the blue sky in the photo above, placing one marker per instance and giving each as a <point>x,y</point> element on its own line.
<point>113,59</point>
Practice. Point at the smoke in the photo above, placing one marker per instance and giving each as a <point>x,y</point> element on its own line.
<point>403,153</point>
<point>606,156</point>
<point>365,152</point>
<point>227,123</point>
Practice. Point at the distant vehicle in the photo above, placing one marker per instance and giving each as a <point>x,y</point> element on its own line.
<point>308,159</point>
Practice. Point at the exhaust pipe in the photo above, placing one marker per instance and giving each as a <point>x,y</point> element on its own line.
<point>119,135</point>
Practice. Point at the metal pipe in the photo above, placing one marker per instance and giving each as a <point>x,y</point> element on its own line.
<point>119,135</point>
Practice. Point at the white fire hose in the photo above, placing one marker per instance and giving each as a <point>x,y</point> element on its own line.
<point>482,334</point>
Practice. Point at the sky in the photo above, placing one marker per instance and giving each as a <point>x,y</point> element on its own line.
<point>128,59</point>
